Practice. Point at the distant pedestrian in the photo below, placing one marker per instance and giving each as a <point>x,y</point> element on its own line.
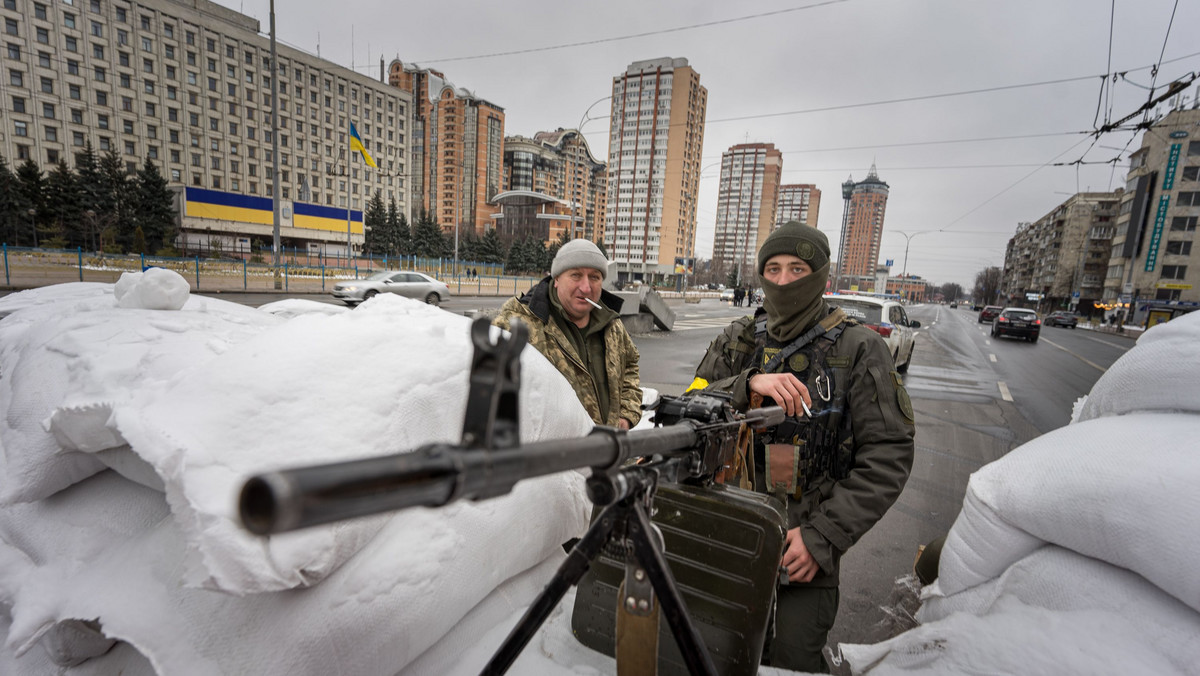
<point>475,273</point>
<point>738,294</point>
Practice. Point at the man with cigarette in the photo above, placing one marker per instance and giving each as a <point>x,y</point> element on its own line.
<point>841,457</point>
<point>574,323</point>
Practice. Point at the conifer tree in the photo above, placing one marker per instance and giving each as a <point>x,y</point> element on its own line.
<point>428,240</point>
<point>9,205</point>
<point>64,222</point>
<point>491,248</point>
<point>375,224</point>
<point>30,187</point>
<point>154,211</point>
<point>114,198</point>
<point>91,185</point>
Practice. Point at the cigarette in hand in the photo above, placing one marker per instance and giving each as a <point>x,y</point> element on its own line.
<point>807,410</point>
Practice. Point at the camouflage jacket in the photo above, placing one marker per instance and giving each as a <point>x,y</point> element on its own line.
<point>620,354</point>
<point>834,513</point>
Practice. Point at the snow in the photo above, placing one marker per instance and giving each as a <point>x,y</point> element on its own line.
<point>132,413</point>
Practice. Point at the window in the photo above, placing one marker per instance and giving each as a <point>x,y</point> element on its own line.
<point>129,148</point>
<point>151,110</point>
<point>10,26</point>
<point>122,37</point>
<point>77,116</point>
<point>97,29</point>
<point>77,138</point>
<point>173,137</point>
<point>75,92</point>
<point>1191,173</point>
<point>1178,223</point>
<point>145,22</point>
<point>126,80</point>
<point>169,51</point>
<point>196,160</point>
<point>101,99</point>
<point>1179,248</point>
<point>16,78</point>
<point>229,51</point>
<point>68,19</point>
<point>44,59</point>
<point>22,152</point>
<point>98,53</point>
<point>149,86</point>
<point>52,156</point>
<point>14,51</point>
<point>210,44</point>
<point>212,65</point>
<point>51,133</point>
<point>173,115</point>
<point>216,163</point>
<point>1193,148</point>
<point>47,85</point>
<point>72,67</point>
<point>168,30</point>
<point>121,15</point>
<point>191,58</point>
<point>171,72</point>
<point>1189,198</point>
<point>123,59</point>
<point>100,74</point>
<point>147,65</point>
<point>190,37</point>
<point>175,174</point>
<point>20,129</point>
<point>127,126</point>
<point>172,93</point>
<point>1174,271</point>
<point>194,119</point>
<point>153,152</point>
<point>48,111</point>
<point>71,44</point>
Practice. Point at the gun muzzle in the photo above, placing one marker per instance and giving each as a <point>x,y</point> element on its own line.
<point>767,416</point>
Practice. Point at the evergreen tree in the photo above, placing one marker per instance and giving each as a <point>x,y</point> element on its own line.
<point>375,223</point>
<point>91,185</point>
<point>600,245</point>
<point>397,230</point>
<point>563,238</point>
<point>539,258</point>
<point>139,241</point>
<point>9,205</point>
<point>428,240</point>
<point>517,261</point>
<point>30,187</point>
<point>64,218</point>
<point>114,201</point>
<point>154,211</point>
<point>491,248</point>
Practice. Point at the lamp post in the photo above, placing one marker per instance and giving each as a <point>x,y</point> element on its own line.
<point>583,120</point>
<point>908,240</point>
<point>33,225</point>
<point>91,216</point>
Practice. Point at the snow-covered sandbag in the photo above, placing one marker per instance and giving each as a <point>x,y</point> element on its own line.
<point>1121,490</point>
<point>153,289</point>
<point>106,550</point>
<point>1059,579</point>
<point>67,362</point>
<point>387,378</point>
<point>1161,373</point>
<point>294,307</point>
<point>1014,638</point>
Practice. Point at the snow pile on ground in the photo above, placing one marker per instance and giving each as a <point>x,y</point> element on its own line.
<point>144,569</point>
<point>1076,553</point>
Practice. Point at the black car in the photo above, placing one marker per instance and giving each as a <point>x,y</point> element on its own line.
<point>988,313</point>
<point>1062,318</point>
<point>1019,322</point>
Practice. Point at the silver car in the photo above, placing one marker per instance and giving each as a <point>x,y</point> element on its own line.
<point>411,284</point>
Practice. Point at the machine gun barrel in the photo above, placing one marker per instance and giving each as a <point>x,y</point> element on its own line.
<point>438,474</point>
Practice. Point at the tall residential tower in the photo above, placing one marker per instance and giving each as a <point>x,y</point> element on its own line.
<point>746,204</point>
<point>862,228</point>
<point>798,202</point>
<point>656,135</point>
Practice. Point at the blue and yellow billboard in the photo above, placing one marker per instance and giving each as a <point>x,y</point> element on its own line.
<point>226,206</point>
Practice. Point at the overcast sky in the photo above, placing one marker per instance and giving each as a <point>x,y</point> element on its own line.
<point>969,193</point>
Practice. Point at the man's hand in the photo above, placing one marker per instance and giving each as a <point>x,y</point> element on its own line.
<point>623,424</point>
<point>800,564</point>
<point>785,388</point>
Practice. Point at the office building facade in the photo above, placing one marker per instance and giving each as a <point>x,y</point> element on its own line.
<point>656,137</point>
<point>457,151</point>
<point>746,202</point>
<point>559,165</point>
<point>188,85</point>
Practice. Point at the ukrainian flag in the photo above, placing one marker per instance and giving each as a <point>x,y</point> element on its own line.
<point>357,144</point>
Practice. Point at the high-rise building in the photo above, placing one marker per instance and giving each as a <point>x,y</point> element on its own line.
<point>862,228</point>
<point>798,202</point>
<point>457,142</point>
<point>656,137</point>
<point>558,164</point>
<point>746,202</point>
<point>188,85</point>
<point>1153,266</point>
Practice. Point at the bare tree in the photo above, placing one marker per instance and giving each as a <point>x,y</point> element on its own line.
<point>987,285</point>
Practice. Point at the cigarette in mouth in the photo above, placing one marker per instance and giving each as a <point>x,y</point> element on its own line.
<point>594,303</point>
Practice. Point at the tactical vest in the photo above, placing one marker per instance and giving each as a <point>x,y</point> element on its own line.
<point>802,449</point>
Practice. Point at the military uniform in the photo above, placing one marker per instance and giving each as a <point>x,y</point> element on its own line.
<point>850,460</point>
<point>601,362</point>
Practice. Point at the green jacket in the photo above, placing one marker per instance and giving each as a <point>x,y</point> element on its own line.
<point>621,356</point>
<point>834,514</point>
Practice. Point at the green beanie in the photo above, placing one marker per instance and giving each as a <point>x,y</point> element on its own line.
<point>796,239</point>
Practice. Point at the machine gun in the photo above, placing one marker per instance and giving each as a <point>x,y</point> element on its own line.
<point>694,439</point>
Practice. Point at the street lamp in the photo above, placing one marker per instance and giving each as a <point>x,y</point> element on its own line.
<point>907,241</point>
<point>583,120</point>
<point>33,224</point>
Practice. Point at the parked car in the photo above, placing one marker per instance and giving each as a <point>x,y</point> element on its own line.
<point>888,319</point>
<point>1019,322</point>
<point>989,312</point>
<point>1062,318</point>
<point>727,294</point>
<point>409,284</point>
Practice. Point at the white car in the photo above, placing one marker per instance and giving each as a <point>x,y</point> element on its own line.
<point>887,318</point>
<point>416,285</point>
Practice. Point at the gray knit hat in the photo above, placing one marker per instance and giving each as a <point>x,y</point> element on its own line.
<point>796,239</point>
<point>579,253</point>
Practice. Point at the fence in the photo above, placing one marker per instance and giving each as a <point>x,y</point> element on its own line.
<point>299,273</point>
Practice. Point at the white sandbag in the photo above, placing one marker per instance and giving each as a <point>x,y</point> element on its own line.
<point>1117,489</point>
<point>387,378</point>
<point>1161,373</point>
<point>1061,580</point>
<point>153,289</point>
<point>385,607</point>
<point>66,363</point>
<point>1014,638</point>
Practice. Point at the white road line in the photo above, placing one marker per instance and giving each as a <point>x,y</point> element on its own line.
<point>992,357</point>
<point>1086,361</point>
<point>1004,393</point>
<point>987,342</point>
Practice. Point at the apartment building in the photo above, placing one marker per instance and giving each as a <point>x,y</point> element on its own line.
<point>457,149</point>
<point>656,137</point>
<point>188,85</point>
<point>798,202</point>
<point>1153,271</point>
<point>862,229</point>
<point>1058,262</point>
<point>557,164</point>
<point>746,205</point>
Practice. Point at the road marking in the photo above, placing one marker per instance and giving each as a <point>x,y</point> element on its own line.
<point>1004,393</point>
<point>992,357</point>
<point>1086,361</point>
<point>987,342</point>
